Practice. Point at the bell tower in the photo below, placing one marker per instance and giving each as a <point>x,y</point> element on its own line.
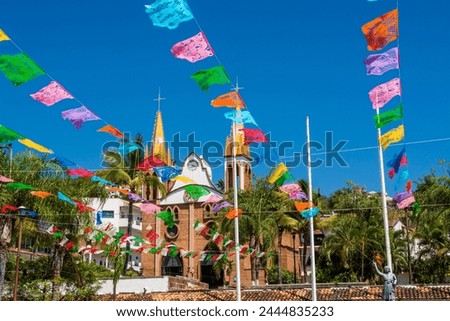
<point>243,160</point>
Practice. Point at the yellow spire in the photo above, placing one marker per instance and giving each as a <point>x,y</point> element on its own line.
<point>159,146</point>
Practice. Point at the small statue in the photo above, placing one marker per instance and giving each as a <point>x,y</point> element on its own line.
<point>390,281</point>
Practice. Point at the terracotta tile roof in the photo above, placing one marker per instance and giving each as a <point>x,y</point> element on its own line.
<point>342,293</point>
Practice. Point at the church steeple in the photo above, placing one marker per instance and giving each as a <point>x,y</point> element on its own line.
<point>243,159</point>
<point>158,146</point>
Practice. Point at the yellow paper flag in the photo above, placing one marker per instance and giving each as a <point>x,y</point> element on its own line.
<point>392,136</point>
<point>3,36</point>
<point>184,179</point>
<point>277,173</point>
<point>29,143</point>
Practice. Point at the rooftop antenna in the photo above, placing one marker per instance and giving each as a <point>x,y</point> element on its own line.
<point>159,98</point>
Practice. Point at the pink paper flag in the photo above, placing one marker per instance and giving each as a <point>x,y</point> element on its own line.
<point>213,199</point>
<point>149,208</point>
<point>51,94</point>
<point>5,179</point>
<point>253,136</point>
<point>78,116</point>
<point>193,49</point>
<point>382,94</point>
<point>81,172</point>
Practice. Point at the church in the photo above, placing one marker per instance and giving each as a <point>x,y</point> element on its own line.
<point>186,211</point>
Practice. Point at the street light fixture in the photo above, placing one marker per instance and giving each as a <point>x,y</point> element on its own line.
<point>21,215</point>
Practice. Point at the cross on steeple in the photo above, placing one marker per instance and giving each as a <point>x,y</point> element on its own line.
<point>236,88</point>
<point>159,98</point>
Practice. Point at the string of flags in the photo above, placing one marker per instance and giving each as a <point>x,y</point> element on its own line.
<point>170,14</point>
<point>379,33</point>
<point>20,68</point>
<point>279,177</point>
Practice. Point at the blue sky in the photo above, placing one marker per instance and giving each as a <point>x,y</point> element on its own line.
<point>293,58</point>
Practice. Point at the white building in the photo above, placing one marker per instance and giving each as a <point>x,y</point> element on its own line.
<point>115,212</point>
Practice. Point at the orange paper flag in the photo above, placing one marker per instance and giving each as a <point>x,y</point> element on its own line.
<point>233,213</point>
<point>118,189</point>
<point>231,99</point>
<point>41,194</point>
<point>300,206</point>
<point>381,30</point>
<point>111,130</point>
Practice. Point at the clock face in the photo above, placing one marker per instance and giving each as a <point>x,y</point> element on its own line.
<point>192,165</point>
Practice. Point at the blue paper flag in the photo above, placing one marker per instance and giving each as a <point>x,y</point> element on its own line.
<point>240,117</point>
<point>310,212</point>
<point>102,181</point>
<point>169,13</point>
<point>165,173</point>
<point>125,149</point>
<point>65,198</point>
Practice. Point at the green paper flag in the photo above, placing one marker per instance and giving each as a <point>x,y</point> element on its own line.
<point>283,178</point>
<point>209,77</point>
<point>388,116</point>
<point>19,68</point>
<point>415,209</point>
<point>196,191</point>
<point>19,186</point>
<point>7,135</point>
<point>167,217</point>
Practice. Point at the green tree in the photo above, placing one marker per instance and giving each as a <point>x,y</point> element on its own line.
<point>263,208</point>
<point>121,169</point>
<point>432,226</point>
<point>355,232</point>
<point>43,175</point>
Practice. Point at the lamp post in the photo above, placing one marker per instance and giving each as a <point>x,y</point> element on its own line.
<point>9,147</point>
<point>280,235</point>
<point>293,253</point>
<point>22,213</point>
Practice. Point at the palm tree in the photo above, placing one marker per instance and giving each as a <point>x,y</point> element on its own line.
<point>262,206</point>
<point>355,232</point>
<point>122,170</point>
<point>432,226</point>
<point>36,171</point>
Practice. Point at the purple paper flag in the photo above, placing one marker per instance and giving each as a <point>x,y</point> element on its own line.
<point>382,94</point>
<point>221,205</point>
<point>51,94</point>
<point>378,64</point>
<point>404,199</point>
<point>78,116</point>
<point>193,49</point>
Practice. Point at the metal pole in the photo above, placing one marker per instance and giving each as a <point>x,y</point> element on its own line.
<point>10,159</point>
<point>408,248</point>
<point>236,219</point>
<point>311,220</point>
<point>293,253</point>
<point>16,282</point>
<point>383,201</point>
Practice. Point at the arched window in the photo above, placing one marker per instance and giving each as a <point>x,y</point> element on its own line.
<point>176,212</point>
<point>172,265</point>
<point>207,211</point>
